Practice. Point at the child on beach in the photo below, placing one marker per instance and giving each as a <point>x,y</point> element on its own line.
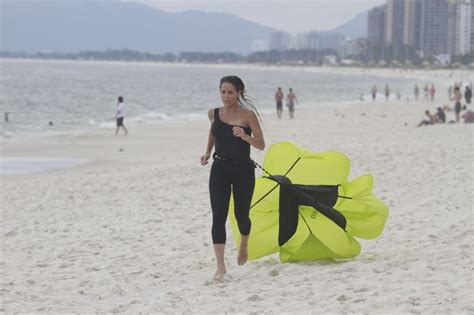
<point>234,129</point>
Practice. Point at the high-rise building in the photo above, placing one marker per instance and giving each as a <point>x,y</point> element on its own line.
<point>463,29</point>
<point>434,27</point>
<point>376,24</point>
<point>376,32</point>
<point>401,28</point>
<point>472,26</point>
<point>394,21</point>
<point>409,22</point>
<point>418,24</point>
<point>459,27</point>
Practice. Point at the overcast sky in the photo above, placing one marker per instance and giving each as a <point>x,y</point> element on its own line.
<point>293,16</point>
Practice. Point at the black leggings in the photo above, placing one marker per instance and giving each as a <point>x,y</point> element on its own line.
<point>240,178</point>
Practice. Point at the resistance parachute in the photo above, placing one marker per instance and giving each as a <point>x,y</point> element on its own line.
<point>306,210</point>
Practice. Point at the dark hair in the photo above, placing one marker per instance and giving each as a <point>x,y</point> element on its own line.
<point>244,99</point>
<point>120,99</point>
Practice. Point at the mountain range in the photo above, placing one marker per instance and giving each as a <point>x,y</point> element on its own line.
<point>32,26</point>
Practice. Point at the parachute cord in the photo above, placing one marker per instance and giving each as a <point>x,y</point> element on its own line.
<point>261,198</point>
<point>344,197</point>
<point>272,177</point>
<point>307,225</point>
<point>291,167</point>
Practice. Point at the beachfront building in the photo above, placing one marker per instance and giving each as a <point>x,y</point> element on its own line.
<point>405,29</point>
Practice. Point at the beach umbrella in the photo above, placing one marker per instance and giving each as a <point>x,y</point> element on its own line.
<point>306,210</point>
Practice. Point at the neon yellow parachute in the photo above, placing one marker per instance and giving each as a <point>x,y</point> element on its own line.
<point>306,209</point>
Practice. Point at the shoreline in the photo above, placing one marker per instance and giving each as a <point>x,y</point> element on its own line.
<point>40,147</point>
<point>151,117</point>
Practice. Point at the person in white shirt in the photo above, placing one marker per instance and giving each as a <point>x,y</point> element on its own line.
<point>120,115</point>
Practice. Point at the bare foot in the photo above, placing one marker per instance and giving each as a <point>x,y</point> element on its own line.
<point>243,254</point>
<point>219,276</point>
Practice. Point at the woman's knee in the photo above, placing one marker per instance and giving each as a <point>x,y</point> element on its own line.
<point>244,224</point>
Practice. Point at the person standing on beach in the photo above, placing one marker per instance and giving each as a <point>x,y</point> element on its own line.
<point>457,102</point>
<point>374,93</point>
<point>279,101</point>
<point>426,91</point>
<point>290,102</point>
<point>234,129</point>
<point>417,92</point>
<point>387,92</point>
<point>468,95</point>
<point>120,115</point>
<point>5,116</point>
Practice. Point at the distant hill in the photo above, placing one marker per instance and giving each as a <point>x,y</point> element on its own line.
<point>98,25</point>
<point>354,28</point>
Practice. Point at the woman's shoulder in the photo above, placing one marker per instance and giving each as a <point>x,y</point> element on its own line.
<point>211,111</point>
<point>249,116</point>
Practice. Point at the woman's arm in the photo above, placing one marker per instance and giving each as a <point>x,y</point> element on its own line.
<point>210,141</point>
<point>256,139</point>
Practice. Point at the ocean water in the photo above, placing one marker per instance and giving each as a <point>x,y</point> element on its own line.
<point>77,96</point>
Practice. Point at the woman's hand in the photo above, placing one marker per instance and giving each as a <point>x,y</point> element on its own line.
<point>205,159</point>
<point>239,132</point>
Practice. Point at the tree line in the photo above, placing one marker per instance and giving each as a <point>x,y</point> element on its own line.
<point>292,56</point>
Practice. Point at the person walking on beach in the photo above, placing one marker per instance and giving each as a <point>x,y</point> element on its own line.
<point>290,102</point>
<point>432,92</point>
<point>374,93</point>
<point>120,115</point>
<point>235,127</point>
<point>417,92</point>
<point>457,97</point>
<point>279,101</point>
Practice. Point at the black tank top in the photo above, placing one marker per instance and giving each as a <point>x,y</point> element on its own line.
<point>227,145</point>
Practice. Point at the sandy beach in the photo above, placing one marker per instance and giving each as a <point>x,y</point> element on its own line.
<point>128,229</point>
